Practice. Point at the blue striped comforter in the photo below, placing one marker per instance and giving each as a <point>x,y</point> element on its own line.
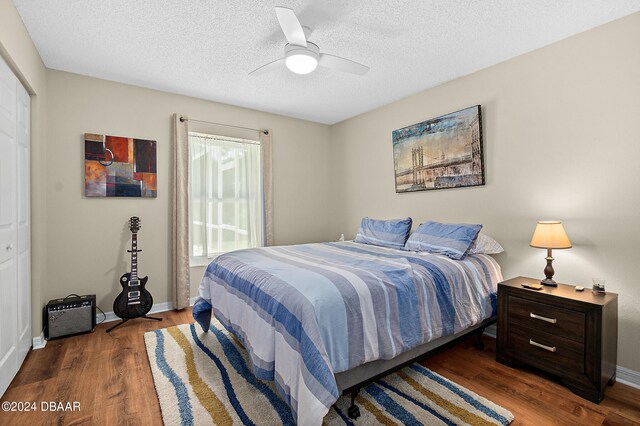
<point>308,311</point>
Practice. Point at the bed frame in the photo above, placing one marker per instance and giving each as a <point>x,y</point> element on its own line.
<point>351,381</point>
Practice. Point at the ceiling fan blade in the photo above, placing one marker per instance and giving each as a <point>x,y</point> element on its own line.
<point>342,64</point>
<point>268,67</point>
<point>291,26</point>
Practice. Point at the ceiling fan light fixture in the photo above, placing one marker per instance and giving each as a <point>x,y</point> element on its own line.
<point>301,63</point>
<point>301,60</point>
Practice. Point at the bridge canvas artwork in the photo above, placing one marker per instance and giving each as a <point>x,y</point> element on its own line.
<point>442,152</point>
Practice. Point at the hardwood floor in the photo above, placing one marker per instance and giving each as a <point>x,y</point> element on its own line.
<point>109,375</point>
<point>533,397</point>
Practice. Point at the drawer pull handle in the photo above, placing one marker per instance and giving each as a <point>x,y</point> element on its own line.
<point>540,317</point>
<point>540,345</point>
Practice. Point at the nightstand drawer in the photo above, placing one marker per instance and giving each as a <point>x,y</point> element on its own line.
<point>546,351</point>
<point>548,318</point>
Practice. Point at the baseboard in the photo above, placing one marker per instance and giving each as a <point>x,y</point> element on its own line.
<point>110,316</point>
<point>491,331</point>
<point>39,342</point>
<point>157,307</point>
<point>628,377</point>
<point>623,375</point>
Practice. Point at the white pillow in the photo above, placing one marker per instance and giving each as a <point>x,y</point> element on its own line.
<point>484,244</point>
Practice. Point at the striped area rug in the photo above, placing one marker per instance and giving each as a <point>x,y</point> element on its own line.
<point>206,378</point>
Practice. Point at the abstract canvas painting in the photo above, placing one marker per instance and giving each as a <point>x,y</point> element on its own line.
<point>443,152</point>
<point>119,167</point>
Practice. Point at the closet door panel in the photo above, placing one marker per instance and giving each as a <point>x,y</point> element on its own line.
<point>24,305</point>
<point>8,128</point>
<point>8,324</point>
<point>23,222</point>
<point>23,147</point>
<point>8,229</point>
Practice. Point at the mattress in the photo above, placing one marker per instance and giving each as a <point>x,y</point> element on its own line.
<point>308,312</point>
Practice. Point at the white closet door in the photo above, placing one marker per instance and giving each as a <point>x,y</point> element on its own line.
<point>15,225</point>
<point>8,228</point>
<point>23,121</point>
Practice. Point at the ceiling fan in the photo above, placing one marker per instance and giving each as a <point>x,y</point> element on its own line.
<point>300,55</point>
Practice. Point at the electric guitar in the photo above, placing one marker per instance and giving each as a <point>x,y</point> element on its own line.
<point>134,301</point>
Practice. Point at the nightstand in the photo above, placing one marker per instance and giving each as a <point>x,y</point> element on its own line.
<point>573,335</point>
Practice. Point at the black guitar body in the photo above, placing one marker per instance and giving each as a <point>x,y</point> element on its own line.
<point>125,308</point>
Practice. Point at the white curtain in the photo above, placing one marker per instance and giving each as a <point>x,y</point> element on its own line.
<point>267,187</point>
<point>226,195</point>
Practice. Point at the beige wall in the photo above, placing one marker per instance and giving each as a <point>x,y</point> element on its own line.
<point>561,139</point>
<point>87,238</point>
<point>22,56</point>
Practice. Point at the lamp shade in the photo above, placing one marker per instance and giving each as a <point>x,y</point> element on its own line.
<point>549,234</point>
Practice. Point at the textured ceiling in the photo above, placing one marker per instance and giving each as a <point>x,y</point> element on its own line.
<point>205,48</point>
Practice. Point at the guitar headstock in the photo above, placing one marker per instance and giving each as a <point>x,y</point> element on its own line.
<point>134,224</point>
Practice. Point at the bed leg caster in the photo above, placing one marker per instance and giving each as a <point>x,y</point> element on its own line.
<point>353,412</point>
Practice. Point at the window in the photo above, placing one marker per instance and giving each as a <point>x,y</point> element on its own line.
<point>225,195</point>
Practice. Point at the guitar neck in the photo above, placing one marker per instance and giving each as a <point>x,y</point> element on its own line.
<point>134,256</point>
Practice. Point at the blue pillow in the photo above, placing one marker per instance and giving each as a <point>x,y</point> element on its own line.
<point>450,239</point>
<point>385,233</point>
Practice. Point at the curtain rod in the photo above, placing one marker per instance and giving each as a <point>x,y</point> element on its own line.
<point>234,140</point>
<point>183,119</point>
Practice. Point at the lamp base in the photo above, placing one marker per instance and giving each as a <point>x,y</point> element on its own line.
<point>549,283</point>
<point>548,271</point>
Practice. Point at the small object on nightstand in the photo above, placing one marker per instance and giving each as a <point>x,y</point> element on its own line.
<point>579,288</point>
<point>532,286</point>
<point>598,285</point>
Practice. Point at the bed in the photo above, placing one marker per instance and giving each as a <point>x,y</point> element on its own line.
<point>320,319</point>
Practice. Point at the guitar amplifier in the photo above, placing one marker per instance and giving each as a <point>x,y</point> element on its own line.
<point>71,315</point>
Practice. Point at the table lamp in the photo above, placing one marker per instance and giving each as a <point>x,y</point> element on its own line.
<point>549,234</point>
